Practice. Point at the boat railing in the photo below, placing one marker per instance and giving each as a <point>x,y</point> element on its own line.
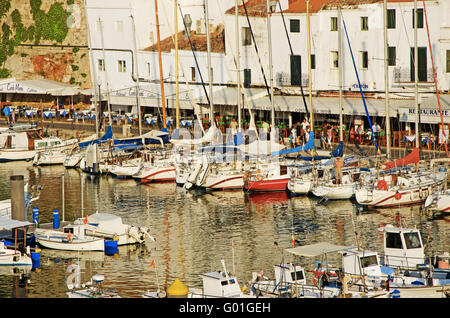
<point>295,289</point>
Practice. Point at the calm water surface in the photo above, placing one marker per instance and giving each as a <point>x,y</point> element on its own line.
<point>193,232</point>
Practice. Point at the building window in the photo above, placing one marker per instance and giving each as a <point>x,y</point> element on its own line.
<point>148,68</point>
<point>313,61</point>
<point>212,75</point>
<point>391,19</point>
<point>392,55</point>
<point>334,24</point>
<point>121,66</point>
<point>193,78</point>
<point>334,59</point>
<point>364,23</point>
<point>295,25</point>
<point>419,18</point>
<point>364,59</point>
<point>246,36</point>
<point>101,65</point>
<point>119,26</point>
<point>448,61</point>
<point>247,77</point>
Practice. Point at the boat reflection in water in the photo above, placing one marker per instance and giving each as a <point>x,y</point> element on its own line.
<point>195,231</point>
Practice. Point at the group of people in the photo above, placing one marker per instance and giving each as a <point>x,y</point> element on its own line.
<point>299,134</point>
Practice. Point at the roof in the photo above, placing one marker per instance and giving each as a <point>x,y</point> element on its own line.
<point>315,250</point>
<point>8,224</point>
<point>258,7</point>
<point>198,41</point>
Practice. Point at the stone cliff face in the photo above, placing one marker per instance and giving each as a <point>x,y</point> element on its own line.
<point>44,39</point>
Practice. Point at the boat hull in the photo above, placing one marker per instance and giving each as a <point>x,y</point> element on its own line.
<point>59,241</point>
<point>267,185</point>
<point>335,192</point>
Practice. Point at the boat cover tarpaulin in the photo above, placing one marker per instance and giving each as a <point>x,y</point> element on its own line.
<point>309,145</point>
<point>8,224</point>
<point>105,137</point>
<point>315,250</point>
<point>413,157</point>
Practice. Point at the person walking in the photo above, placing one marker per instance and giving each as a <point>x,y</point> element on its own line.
<point>6,112</point>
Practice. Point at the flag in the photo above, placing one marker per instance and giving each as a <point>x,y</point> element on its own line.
<point>85,220</point>
<point>153,264</point>
<point>232,244</point>
<point>292,241</point>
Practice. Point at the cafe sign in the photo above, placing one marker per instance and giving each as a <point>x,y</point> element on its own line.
<point>427,115</point>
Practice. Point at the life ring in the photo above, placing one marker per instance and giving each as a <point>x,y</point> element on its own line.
<point>259,175</point>
<point>382,185</point>
<point>398,195</point>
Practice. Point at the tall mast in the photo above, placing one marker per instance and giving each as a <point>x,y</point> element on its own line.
<point>416,74</point>
<point>341,131</point>
<point>386,83</point>
<point>138,93</point>
<point>106,74</point>
<point>93,77</point>
<point>238,65</point>
<point>208,42</point>
<point>308,27</point>
<point>269,34</point>
<point>177,90</point>
<point>163,98</point>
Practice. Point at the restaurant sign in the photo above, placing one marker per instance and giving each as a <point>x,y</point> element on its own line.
<point>427,115</point>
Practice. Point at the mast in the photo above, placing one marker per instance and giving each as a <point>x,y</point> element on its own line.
<point>386,83</point>
<point>238,66</point>
<point>208,42</point>
<point>177,90</point>
<point>308,27</point>
<point>138,102</point>
<point>163,98</point>
<point>341,131</point>
<point>269,34</point>
<point>106,74</point>
<point>94,76</point>
<point>416,75</point>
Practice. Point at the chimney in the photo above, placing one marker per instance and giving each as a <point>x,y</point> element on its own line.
<point>187,22</point>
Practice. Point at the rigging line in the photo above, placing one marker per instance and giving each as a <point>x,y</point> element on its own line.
<point>193,53</point>
<point>435,79</point>
<point>360,90</point>
<point>298,67</point>
<point>256,49</point>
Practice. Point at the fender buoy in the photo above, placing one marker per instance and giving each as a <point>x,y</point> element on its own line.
<point>382,185</point>
<point>259,175</point>
<point>398,195</point>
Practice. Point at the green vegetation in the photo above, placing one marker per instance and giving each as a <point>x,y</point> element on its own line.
<point>75,67</point>
<point>4,73</point>
<point>50,26</point>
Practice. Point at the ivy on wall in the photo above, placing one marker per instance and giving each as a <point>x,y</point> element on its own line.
<point>50,26</point>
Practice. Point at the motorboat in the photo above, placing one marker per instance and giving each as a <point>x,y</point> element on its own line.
<point>16,145</point>
<point>110,227</point>
<point>70,238</point>
<point>50,157</point>
<point>10,256</point>
<point>438,202</point>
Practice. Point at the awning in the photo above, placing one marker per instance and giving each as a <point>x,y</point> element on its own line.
<point>9,224</point>
<point>317,249</point>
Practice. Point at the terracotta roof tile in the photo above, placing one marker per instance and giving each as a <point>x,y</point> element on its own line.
<point>198,42</point>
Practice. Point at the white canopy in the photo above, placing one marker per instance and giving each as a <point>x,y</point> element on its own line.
<point>315,250</point>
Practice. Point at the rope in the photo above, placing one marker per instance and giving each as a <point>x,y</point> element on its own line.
<point>360,89</point>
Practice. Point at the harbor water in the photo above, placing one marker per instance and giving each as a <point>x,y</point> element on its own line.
<point>194,231</point>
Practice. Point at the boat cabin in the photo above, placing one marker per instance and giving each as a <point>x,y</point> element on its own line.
<point>288,274</point>
<point>220,284</point>
<point>356,262</point>
<point>403,247</point>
